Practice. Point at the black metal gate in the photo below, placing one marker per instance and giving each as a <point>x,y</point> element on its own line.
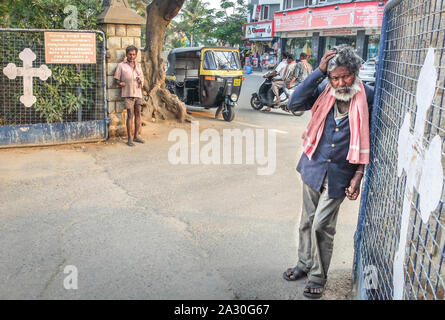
<point>49,103</point>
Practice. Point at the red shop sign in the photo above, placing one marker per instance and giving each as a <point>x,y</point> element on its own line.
<point>359,14</point>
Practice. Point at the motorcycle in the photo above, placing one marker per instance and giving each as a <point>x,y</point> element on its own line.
<point>265,97</point>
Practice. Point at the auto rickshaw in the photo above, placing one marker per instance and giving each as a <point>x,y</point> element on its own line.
<point>206,77</point>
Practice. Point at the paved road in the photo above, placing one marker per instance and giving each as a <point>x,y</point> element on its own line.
<point>136,226</point>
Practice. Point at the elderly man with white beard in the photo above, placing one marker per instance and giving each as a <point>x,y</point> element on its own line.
<point>335,152</point>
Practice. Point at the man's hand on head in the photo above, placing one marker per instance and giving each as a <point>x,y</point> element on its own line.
<point>324,61</point>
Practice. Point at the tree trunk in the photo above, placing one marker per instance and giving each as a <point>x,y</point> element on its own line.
<point>161,103</point>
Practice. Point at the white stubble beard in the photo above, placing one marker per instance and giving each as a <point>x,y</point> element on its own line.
<point>351,91</point>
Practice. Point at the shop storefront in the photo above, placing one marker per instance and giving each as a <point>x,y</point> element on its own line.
<point>373,46</point>
<point>265,48</point>
<point>357,24</point>
<point>296,46</point>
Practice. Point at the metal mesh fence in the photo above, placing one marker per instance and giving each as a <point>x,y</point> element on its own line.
<point>410,27</point>
<point>73,93</point>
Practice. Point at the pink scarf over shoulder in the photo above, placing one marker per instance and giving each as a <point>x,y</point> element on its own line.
<point>358,125</point>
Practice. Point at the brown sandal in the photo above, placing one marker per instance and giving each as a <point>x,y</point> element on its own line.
<point>293,274</point>
<point>313,290</point>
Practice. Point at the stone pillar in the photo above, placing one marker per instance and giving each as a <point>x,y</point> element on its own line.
<point>122,27</point>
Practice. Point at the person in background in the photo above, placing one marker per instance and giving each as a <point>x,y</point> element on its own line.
<point>303,69</point>
<point>277,81</point>
<point>130,78</point>
<point>289,77</point>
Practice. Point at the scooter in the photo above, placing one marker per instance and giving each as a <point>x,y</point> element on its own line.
<point>265,97</point>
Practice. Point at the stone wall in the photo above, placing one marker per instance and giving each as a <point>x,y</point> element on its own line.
<point>119,37</point>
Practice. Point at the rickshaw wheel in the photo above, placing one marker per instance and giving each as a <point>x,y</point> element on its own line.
<point>228,113</point>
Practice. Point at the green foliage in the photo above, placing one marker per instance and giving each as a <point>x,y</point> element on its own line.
<point>204,26</point>
<point>178,43</point>
<point>195,21</point>
<point>3,13</point>
<point>311,60</point>
<point>64,95</point>
<point>230,20</point>
<point>48,14</point>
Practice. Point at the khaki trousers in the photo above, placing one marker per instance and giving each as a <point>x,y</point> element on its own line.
<point>276,86</point>
<point>316,232</point>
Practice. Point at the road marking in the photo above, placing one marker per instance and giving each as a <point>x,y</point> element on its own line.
<point>279,131</point>
<point>248,124</point>
<point>256,126</point>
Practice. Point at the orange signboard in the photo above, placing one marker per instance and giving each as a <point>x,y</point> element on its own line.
<point>70,48</point>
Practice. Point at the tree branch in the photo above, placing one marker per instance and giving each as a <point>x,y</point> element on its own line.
<point>173,7</point>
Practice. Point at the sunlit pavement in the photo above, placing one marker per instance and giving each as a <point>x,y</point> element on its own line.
<point>136,226</point>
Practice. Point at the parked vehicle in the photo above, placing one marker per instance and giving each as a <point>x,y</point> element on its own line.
<point>367,71</point>
<point>264,97</point>
<point>208,77</point>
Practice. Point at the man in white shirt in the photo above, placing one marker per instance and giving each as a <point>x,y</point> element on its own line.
<point>278,78</point>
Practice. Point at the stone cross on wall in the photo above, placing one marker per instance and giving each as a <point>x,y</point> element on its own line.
<point>27,72</point>
<point>423,167</point>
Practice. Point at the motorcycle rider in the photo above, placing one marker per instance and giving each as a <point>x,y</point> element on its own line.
<point>290,76</point>
<point>303,69</point>
<point>277,81</point>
